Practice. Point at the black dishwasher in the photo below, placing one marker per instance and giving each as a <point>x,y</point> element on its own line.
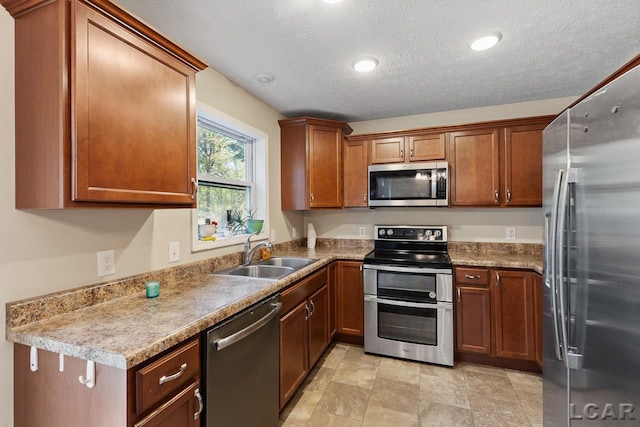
<point>240,368</point>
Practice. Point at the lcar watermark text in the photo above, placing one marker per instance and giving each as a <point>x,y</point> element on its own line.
<point>607,411</point>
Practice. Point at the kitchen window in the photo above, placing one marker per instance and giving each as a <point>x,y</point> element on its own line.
<point>231,159</point>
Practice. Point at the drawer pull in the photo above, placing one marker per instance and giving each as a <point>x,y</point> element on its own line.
<point>167,378</point>
<point>458,294</point>
<point>470,276</point>
<point>201,405</point>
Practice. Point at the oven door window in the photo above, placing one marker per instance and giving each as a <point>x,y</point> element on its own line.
<point>408,324</point>
<point>407,286</point>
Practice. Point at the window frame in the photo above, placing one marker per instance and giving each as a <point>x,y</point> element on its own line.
<point>258,186</point>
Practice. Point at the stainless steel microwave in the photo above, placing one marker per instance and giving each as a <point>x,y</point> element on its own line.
<point>409,184</point>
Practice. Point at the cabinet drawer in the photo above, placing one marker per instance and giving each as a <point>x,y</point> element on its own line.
<point>472,276</point>
<point>162,378</point>
<point>297,293</point>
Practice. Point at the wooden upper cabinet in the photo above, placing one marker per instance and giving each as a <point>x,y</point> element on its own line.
<point>105,109</point>
<point>523,165</point>
<point>474,168</point>
<point>311,162</point>
<point>355,167</point>
<point>413,148</point>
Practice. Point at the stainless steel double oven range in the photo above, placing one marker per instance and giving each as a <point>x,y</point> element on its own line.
<point>408,305</point>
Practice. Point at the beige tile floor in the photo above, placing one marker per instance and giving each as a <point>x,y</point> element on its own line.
<point>350,388</point>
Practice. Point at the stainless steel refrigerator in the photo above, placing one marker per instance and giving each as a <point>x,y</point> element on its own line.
<point>591,180</point>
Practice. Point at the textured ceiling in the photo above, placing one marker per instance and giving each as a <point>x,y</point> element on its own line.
<point>549,49</point>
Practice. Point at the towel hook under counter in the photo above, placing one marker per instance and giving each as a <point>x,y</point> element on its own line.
<point>90,378</point>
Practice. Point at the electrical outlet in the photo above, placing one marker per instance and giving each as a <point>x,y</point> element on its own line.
<point>511,233</point>
<point>363,231</point>
<point>273,236</point>
<point>106,263</point>
<point>294,233</point>
<point>174,251</point>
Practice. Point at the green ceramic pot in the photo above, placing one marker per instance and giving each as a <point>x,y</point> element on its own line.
<point>255,225</point>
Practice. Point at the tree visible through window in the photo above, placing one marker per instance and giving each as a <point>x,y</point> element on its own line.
<point>225,172</point>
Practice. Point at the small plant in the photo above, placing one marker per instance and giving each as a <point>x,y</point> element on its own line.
<point>245,222</point>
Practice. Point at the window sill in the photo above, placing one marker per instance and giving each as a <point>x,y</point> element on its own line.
<point>221,242</point>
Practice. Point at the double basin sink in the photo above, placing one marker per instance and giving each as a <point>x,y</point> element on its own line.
<point>273,268</point>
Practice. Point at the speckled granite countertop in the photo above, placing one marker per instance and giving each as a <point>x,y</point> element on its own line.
<point>126,331</point>
<point>114,324</point>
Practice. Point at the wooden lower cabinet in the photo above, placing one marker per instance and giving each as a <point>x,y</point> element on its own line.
<point>498,317</point>
<point>473,318</point>
<point>50,398</point>
<point>513,314</point>
<point>350,301</point>
<point>304,330</point>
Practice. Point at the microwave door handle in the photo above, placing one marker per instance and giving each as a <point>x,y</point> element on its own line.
<point>434,184</point>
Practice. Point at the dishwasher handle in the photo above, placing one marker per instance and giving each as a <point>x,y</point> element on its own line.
<point>225,342</point>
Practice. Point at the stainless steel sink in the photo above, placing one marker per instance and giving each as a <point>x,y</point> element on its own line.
<point>261,271</point>
<point>293,262</point>
<point>273,268</point>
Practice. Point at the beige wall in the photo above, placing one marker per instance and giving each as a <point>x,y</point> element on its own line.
<point>465,224</point>
<point>48,251</point>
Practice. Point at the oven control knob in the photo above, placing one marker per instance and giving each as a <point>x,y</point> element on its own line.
<point>381,232</point>
<point>432,295</point>
<point>428,233</point>
<point>390,232</point>
<point>437,233</point>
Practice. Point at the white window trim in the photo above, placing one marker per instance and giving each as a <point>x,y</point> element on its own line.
<point>260,179</point>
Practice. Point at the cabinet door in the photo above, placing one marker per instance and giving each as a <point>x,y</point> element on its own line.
<point>183,410</point>
<point>473,319</point>
<point>513,314</point>
<point>537,317</point>
<point>523,165</point>
<point>293,351</point>
<point>332,283</point>
<point>387,150</point>
<point>474,168</point>
<point>325,167</point>
<point>132,117</point>
<point>426,147</point>
<point>350,299</point>
<point>318,324</point>
<point>356,162</point>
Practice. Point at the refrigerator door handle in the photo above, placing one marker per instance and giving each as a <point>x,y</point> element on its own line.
<point>572,359</point>
<point>552,262</point>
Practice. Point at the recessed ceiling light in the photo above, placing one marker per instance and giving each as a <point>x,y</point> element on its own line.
<point>365,65</point>
<point>264,77</point>
<point>487,41</point>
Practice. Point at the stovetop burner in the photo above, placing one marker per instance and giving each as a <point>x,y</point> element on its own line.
<point>414,246</point>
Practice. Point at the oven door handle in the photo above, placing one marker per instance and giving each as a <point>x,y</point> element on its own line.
<point>397,269</point>
<point>439,305</point>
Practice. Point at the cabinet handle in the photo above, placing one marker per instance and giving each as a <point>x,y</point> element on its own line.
<point>200,403</point>
<point>401,153</point>
<point>360,268</point>
<point>411,153</point>
<point>458,294</point>
<point>496,197</point>
<point>313,307</point>
<point>508,196</point>
<point>364,198</point>
<point>166,378</point>
<point>313,199</point>
<point>194,188</point>
<point>308,312</point>
<point>497,279</point>
<point>471,276</point>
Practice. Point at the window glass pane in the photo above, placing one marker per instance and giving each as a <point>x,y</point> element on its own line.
<point>214,201</point>
<point>221,155</point>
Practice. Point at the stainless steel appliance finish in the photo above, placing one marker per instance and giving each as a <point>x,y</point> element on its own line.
<point>591,290</point>
<point>241,368</point>
<point>409,184</point>
<point>408,301</point>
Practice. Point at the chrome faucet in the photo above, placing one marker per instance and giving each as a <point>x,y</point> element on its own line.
<point>249,251</point>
